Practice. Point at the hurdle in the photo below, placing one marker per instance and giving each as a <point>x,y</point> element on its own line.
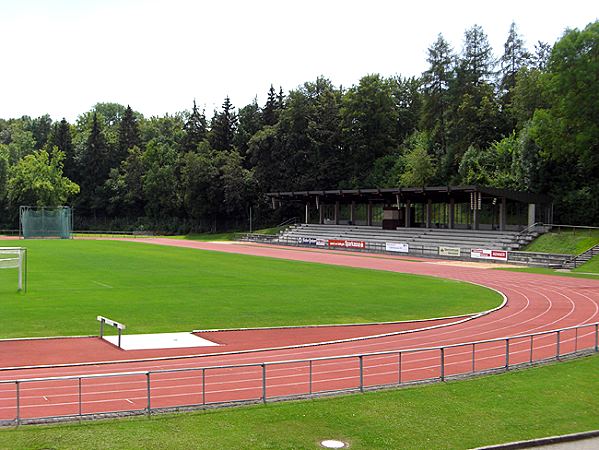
<point>105,320</point>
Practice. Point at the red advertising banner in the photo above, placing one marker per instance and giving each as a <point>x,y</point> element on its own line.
<point>346,243</point>
<point>479,253</point>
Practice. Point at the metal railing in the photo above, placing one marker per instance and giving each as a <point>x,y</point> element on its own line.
<point>144,392</point>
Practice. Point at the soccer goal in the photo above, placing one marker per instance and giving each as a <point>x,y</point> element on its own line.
<point>15,258</point>
<point>45,223</point>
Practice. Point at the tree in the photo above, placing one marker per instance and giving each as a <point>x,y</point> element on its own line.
<point>62,139</point>
<point>223,127</point>
<point>435,85</point>
<point>129,136</point>
<point>514,58</point>
<point>195,130</point>
<point>567,130</point>
<point>37,180</point>
<point>160,180</point>
<point>369,119</point>
<point>40,129</point>
<point>418,164</point>
<point>270,110</point>
<point>250,122</point>
<point>475,64</point>
<point>94,167</point>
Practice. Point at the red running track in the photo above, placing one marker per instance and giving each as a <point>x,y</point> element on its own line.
<point>536,303</point>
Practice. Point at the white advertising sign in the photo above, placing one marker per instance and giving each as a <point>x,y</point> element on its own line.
<point>396,247</point>
<point>449,251</point>
<point>480,253</point>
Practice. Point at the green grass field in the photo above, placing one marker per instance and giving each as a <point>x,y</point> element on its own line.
<point>155,288</point>
<point>555,399</point>
<point>565,242</point>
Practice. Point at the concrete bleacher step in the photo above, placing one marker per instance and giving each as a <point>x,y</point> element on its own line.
<point>418,237</point>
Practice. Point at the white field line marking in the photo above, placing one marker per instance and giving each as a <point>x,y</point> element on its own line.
<point>102,284</point>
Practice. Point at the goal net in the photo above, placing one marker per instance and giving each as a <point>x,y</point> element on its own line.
<point>44,222</point>
<point>15,258</point>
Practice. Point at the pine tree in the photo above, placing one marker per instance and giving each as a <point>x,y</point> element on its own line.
<point>195,130</point>
<point>224,125</point>
<point>281,99</point>
<point>61,138</point>
<point>94,167</point>
<point>476,64</point>
<point>128,136</point>
<point>514,58</point>
<point>269,112</point>
<point>436,84</point>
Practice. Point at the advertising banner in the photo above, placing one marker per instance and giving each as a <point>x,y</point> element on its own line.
<point>480,253</point>
<point>346,243</point>
<point>306,241</point>
<point>449,251</point>
<point>397,247</point>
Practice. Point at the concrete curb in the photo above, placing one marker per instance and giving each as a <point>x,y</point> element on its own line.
<point>543,441</point>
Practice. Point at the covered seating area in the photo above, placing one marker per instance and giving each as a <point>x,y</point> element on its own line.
<point>445,207</point>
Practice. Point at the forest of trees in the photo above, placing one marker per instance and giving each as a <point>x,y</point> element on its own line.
<point>527,120</point>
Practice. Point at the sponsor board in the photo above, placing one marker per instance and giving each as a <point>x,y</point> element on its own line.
<point>449,251</point>
<point>346,243</point>
<point>306,241</point>
<point>481,253</point>
<point>321,243</point>
<point>397,247</point>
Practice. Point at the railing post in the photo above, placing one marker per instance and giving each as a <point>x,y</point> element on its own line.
<point>149,394</point>
<point>203,386</point>
<point>18,387</point>
<point>473,347</point>
<point>442,363</point>
<point>557,349</point>
<point>310,379</point>
<point>531,346</point>
<point>399,368</point>
<point>102,328</point>
<point>507,353</point>
<point>597,337</point>
<point>361,373</point>
<point>263,383</point>
<point>575,339</point>
<point>80,407</point>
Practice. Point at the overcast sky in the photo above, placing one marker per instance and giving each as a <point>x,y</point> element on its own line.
<point>62,56</point>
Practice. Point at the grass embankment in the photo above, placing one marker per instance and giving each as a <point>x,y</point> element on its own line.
<point>544,401</point>
<point>564,242</point>
<point>226,236</point>
<point>155,288</point>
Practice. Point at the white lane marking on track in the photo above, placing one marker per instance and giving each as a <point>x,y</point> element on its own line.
<point>45,398</point>
<point>280,377</point>
<point>129,401</point>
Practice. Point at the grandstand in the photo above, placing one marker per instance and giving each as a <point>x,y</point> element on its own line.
<point>446,221</point>
<point>416,238</point>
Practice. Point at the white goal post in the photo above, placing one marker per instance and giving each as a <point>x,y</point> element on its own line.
<point>15,258</point>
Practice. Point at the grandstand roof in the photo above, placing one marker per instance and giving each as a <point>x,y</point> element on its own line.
<point>440,193</point>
